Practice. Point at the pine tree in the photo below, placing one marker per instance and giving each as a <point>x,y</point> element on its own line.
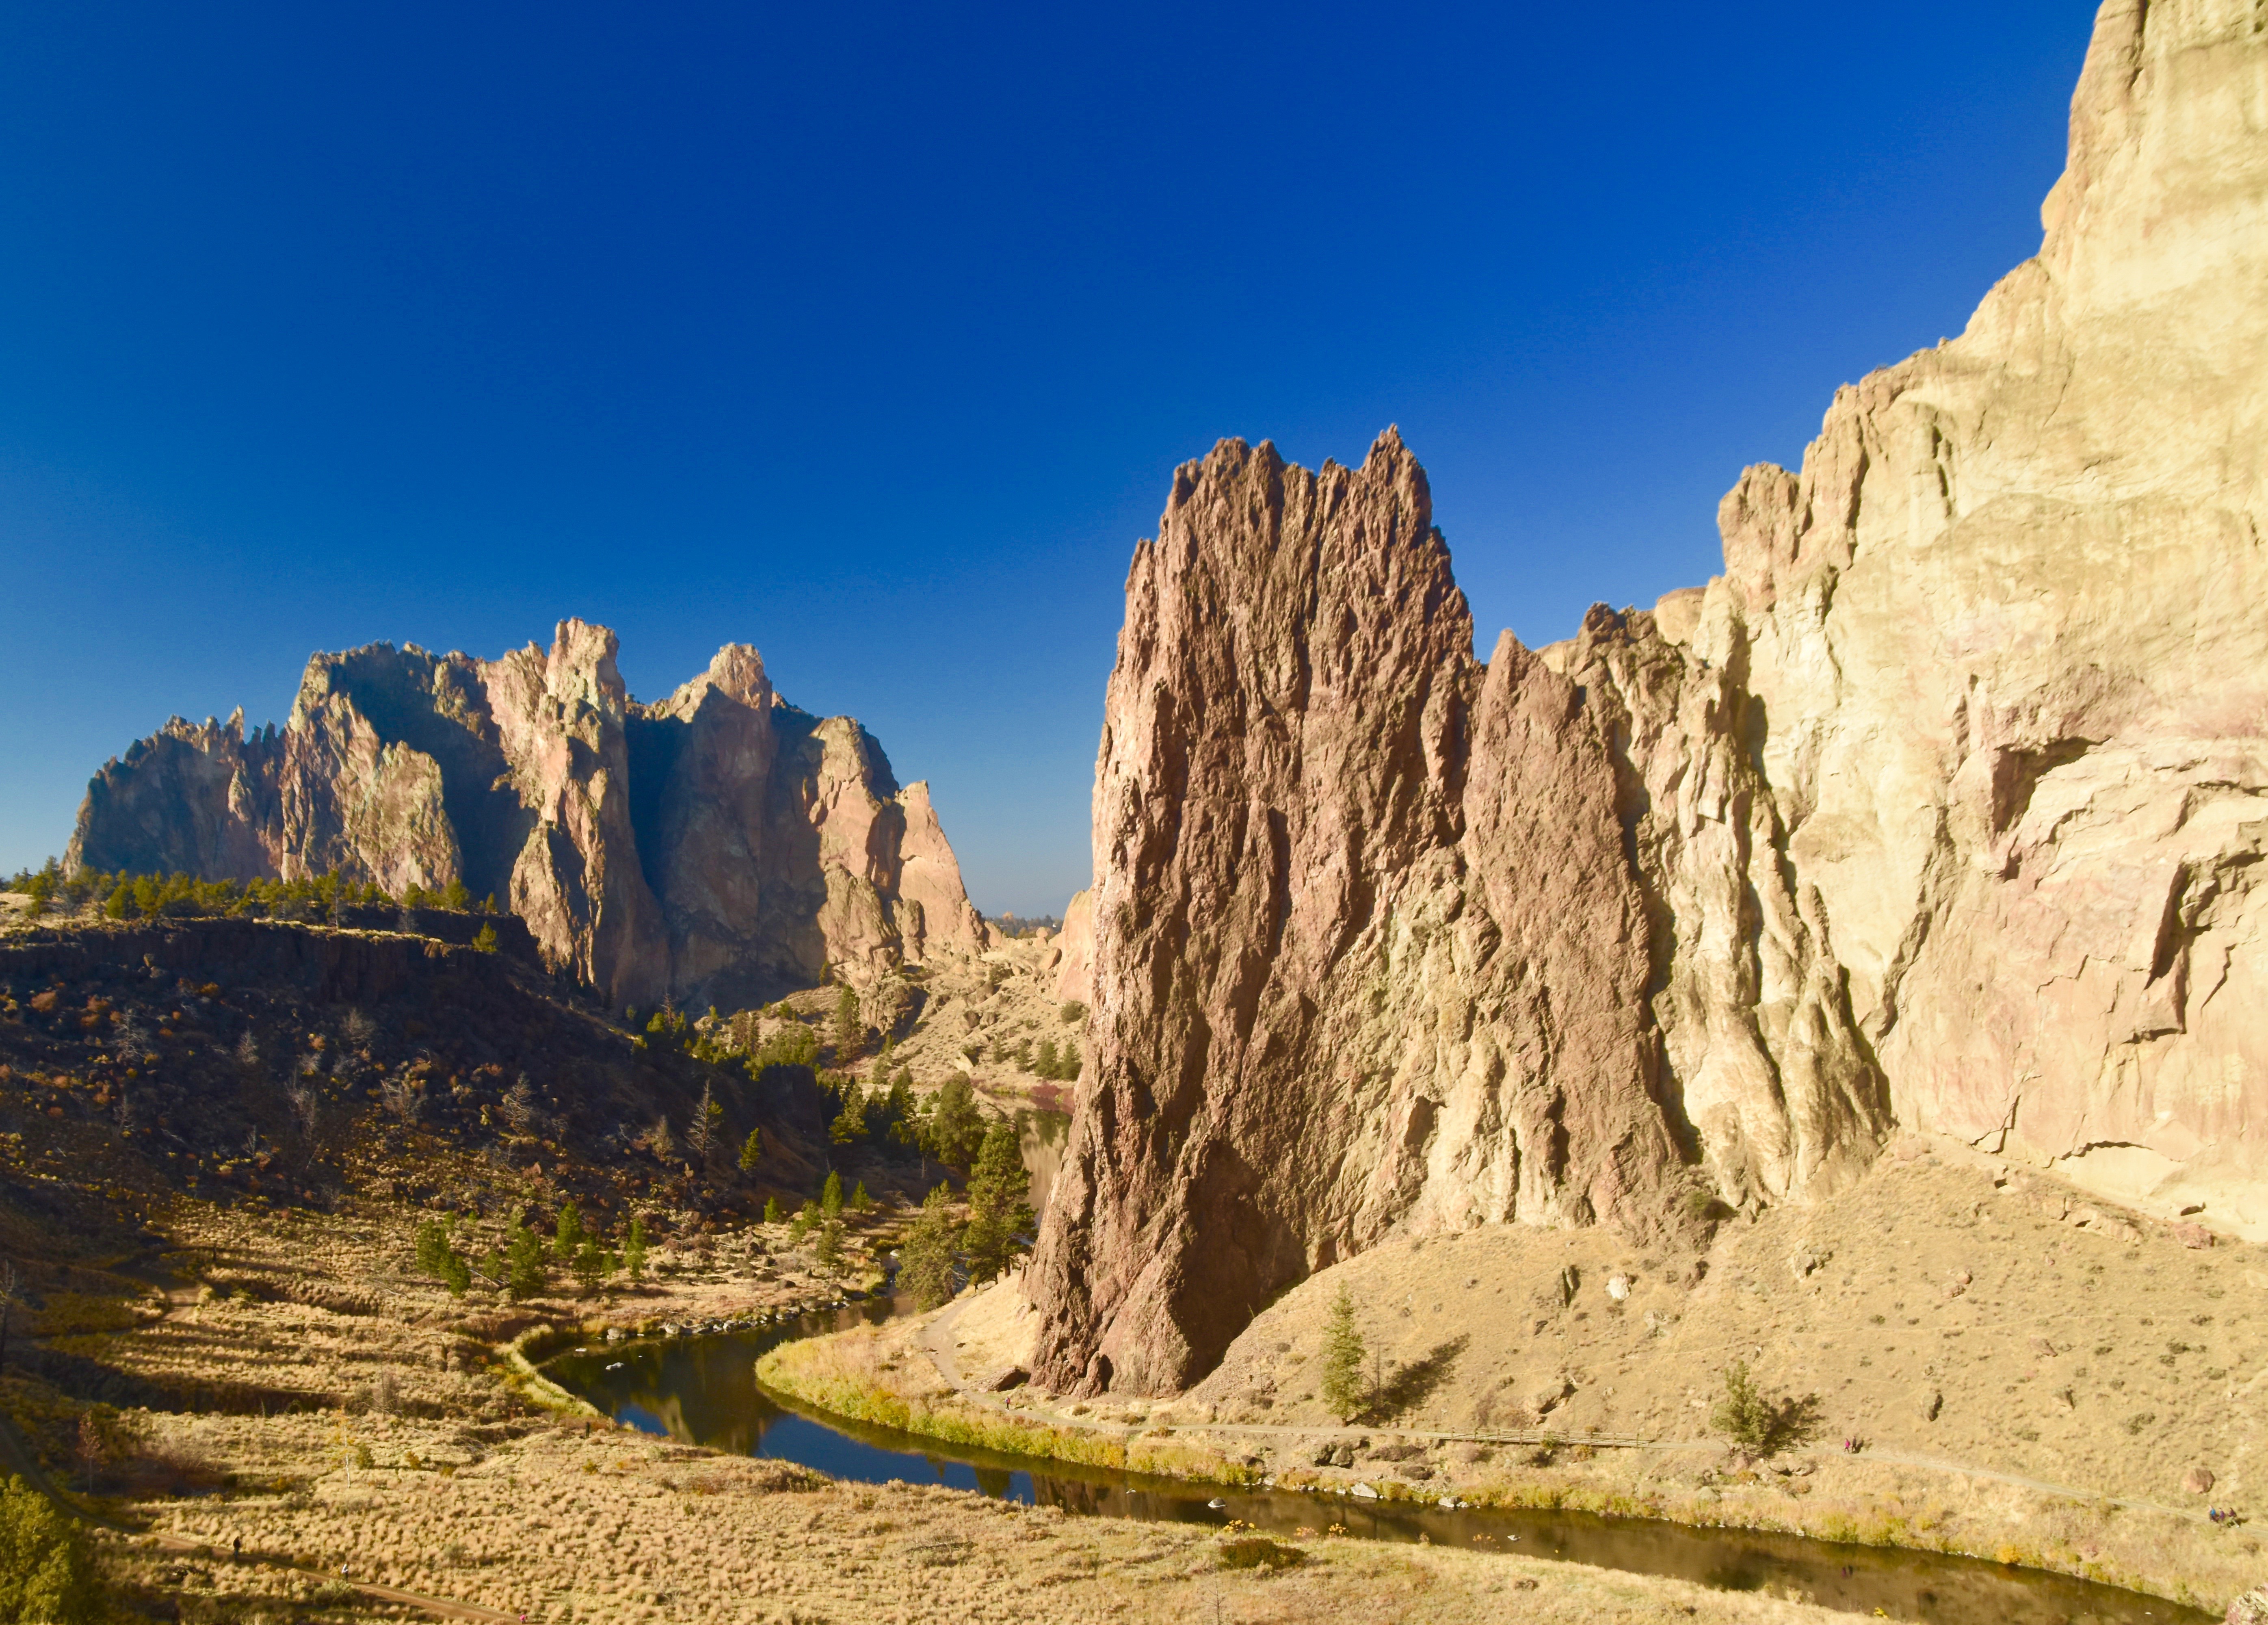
<point>926,1259</point>
<point>456,898</point>
<point>524,1273</point>
<point>850,1124</point>
<point>591,1265</point>
<point>568,1233</point>
<point>849,1030</point>
<point>831,1196</point>
<point>634,1250</point>
<point>898,1109</point>
<point>752,1150</point>
<point>956,1128</point>
<point>1044,1064</point>
<point>999,1206</point>
<point>827,1255</point>
<point>484,939</point>
<point>860,1202</point>
<point>1342,1378</point>
<point>772,1210</point>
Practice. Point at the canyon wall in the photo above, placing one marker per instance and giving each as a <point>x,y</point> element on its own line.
<point>720,846</point>
<point>1941,807</point>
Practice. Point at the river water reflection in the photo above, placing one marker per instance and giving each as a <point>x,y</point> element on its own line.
<point>703,1391</point>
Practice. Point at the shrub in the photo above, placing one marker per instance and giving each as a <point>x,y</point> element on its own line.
<point>1758,1421</point>
<point>485,940</point>
<point>1260,1552</point>
<point>45,1572</point>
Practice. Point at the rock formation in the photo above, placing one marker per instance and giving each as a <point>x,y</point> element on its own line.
<point>1941,807</point>
<point>720,844</point>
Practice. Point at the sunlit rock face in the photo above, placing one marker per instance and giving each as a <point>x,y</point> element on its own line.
<point>1941,807</point>
<point>719,845</point>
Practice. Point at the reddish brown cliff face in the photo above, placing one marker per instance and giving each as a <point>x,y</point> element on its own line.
<point>719,845</point>
<point>1367,945</point>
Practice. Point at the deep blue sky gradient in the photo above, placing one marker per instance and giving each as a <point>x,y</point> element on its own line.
<point>870,336</point>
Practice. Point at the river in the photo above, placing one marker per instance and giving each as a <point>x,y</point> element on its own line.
<point>703,1391</point>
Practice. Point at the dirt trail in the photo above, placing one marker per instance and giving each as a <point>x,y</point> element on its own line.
<point>937,1342</point>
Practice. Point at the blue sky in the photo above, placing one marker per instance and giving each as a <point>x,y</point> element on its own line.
<point>870,336</point>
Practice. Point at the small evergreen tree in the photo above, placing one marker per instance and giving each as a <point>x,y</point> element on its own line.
<point>831,1196</point>
<point>1342,1374</point>
<point>592,1265</point>
<point>752,1150</point>
<point>568,1233</point>
<point>999,1207</point>
<point>1742,1413</point>
<point>525,1274</point>
<point>850,1124</point>
<point>455,898</point>
<point>926,1259</point>
<point>437,1259</point>
<point>956,1128</point>
<point>860,1202</point>
<point>634,1250</point>
<point>849,1030</point>
<point>829,1253</point>
<point>118,904</point>
<point>484,939</point>
<point>772,1210</point>
<point>1044,1064</point>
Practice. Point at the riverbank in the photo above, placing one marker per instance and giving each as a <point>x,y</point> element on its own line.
<point>2026,1389</point>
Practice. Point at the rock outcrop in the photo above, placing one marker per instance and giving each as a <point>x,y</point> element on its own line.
<point>1941,807</point>
<point>720,844</point>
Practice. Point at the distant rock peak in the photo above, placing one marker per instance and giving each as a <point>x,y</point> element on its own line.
<point>665,850</point>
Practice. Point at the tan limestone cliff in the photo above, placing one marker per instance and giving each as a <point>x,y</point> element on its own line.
<point>1941,807</point>
<point>718,844</point>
